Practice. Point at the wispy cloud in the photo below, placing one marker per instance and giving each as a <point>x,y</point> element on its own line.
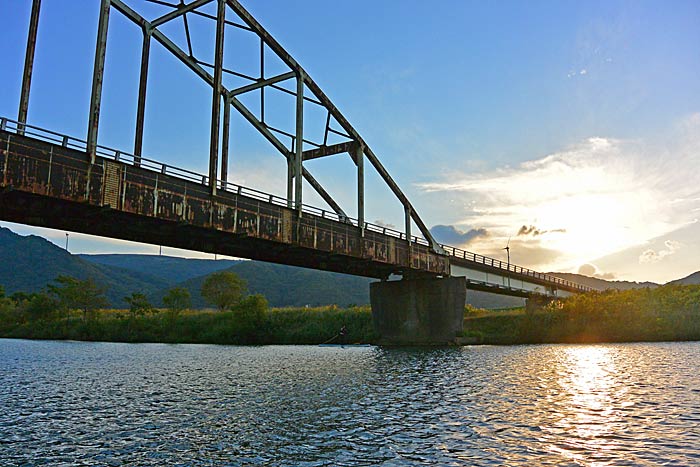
<point>651,256</point>
<point>450,235</point>
<point>535,232</point>
<point>591,270</point>
<point>607,194</point>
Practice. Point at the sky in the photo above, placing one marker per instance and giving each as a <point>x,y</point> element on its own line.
<point>567,130</point>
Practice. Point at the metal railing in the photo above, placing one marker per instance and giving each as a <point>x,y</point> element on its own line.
<point>66,141</point>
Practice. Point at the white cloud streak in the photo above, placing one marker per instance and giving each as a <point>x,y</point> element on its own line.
<point>607,194</point>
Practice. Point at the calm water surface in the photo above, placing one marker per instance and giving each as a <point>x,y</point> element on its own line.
<point>72,403</point>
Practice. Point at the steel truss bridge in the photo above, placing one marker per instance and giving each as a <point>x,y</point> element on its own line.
<point>53,180</point>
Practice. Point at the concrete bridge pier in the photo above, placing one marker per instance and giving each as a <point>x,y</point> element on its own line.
<point>418,311</point>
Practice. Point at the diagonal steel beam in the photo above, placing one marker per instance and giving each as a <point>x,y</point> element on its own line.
<point>261,83</point>
<point>275,46</point>
<point>243,110</point>
<point>323,193</point>
<point>331,150</point>
<point>28,66</point>
<point>181,10</point>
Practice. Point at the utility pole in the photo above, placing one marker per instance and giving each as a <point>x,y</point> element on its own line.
<point>66,241</point>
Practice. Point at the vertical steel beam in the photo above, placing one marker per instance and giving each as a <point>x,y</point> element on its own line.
<point>28,66</point>
<point>262,77</point>
<point>224,142</point>
<point>141,108</point>
<point>216,94</point>
<point>299,142</point>
<point>290,180</point>
<point>360,160</point>
<point>97,78</point>
<point>407,211</point>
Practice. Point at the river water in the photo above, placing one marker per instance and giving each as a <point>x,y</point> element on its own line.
<point>74,403</point>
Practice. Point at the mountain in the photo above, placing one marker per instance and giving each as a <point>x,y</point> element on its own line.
<point>692,279</point>
<point>29,263</point>
<point>289,286</point>
<point>170,269</point>
<point>602,284</point>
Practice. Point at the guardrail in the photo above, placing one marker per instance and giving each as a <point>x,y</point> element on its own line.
<point>66,141</point>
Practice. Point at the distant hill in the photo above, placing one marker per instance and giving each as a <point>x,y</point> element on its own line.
<point>602,284</point>
<point>282,285</point>
<point>693,279</point>
<point>29,263</point>
<point>290,286</point>
<point>169,269</point>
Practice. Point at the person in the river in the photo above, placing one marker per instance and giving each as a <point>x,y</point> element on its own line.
<point>341,334</point>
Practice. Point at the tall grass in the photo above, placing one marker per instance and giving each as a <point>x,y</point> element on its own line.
<point>661,314</point>
<point>251,322</point>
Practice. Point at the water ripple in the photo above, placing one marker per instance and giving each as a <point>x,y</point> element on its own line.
<point>71,403</point>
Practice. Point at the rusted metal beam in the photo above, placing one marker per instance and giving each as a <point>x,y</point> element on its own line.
<point>224,142</point>
<point>181,10</point>
<point>323,193</point>
<point>323,151</point>
<point>97,78</point>
<point>242,109</point>
<point>28,66</point>
<point>216,94</point>
<point>333,110</point>
<point>407,220</point>
<point>141,107</point>
<point>261,83</point>
<point>299,143</point>
<point>360,162</point>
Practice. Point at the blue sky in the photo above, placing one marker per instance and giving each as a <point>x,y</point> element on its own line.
<point>577,118</point>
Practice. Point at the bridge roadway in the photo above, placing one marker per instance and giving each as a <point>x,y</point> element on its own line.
<point>47,181</point>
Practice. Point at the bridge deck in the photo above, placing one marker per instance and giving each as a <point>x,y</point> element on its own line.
<point>47,181</point>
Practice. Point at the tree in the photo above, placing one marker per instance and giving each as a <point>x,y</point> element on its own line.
<point>138,304</point>
<point>76,294</point>
<point>21,297</point>
<point>177,299</point>
<point>40,306</point>
<point>223,289</point>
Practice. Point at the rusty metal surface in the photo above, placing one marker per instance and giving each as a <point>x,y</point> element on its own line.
<point>59,173</point>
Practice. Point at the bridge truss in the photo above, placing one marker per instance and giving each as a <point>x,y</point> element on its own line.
<point>295,145</point>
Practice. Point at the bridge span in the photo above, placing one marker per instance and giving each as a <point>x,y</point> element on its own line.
<point>52,180</point>
<point>48,181</point>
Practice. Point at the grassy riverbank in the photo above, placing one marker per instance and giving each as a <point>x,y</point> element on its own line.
<point>250,323</point>
<point>668,313</point>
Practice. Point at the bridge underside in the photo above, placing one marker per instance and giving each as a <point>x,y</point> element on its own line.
<point>49,185</point>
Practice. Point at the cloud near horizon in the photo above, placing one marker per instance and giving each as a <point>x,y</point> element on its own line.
<point>601,195</point>
<point>450,235</point>
<point>591,270</point>
<point>651,256</point>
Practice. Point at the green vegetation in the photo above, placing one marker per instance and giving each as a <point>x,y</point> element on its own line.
<point>74,309</point>
<point>177,300</point>
<point>670,312</point>
<point>249,322</point>
<point>223,289</point>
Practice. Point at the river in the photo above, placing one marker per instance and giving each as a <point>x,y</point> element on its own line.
<point>77,403</point>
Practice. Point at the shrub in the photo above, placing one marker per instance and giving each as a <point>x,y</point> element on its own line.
<point>223,289</point>
<point>177,299</point>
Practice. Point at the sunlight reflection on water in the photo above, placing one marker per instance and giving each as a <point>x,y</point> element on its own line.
<point>69,403</point>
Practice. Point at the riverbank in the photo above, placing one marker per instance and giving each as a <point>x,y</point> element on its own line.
<point>668,313</point>
<point>248,326</point>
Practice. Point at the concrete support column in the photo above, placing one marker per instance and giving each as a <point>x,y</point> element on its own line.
<point>418,311</point>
